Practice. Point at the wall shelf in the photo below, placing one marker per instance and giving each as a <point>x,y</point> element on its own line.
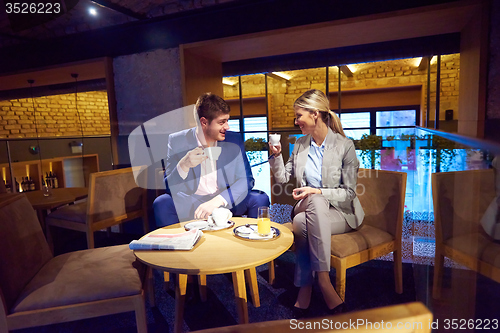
<point>71,171</point>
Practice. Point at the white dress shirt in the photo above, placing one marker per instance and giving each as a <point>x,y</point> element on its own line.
<point>313,164</point>
<point>208,176</point>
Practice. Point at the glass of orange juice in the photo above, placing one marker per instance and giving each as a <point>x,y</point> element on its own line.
<point>263,222</point>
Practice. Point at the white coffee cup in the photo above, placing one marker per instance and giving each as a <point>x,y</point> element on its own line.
<point>220,216</point>
<point>274,139</point>
<point>213,153</point>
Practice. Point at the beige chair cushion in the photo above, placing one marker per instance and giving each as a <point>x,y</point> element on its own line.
<point>115,195</point>
<point>83,276</point>
<point>75,213</point>
<point>491,254</point>
<point>355,241</point>
<point>352,242</point>
<point>472,244</point>
<point>23,249</point>
<point>477,245</point>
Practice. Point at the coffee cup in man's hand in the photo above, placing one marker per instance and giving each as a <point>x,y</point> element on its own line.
<point>213,153</point>
<point>220,216</point>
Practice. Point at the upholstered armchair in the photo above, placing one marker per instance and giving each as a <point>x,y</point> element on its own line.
<point>114,198</point>
<point>3,189</point>
<point>382,196</point>
<point>460,200</point>
<point>38,289</point>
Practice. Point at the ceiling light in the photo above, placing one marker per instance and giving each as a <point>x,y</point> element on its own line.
<point>283,75</point>
<point>93,11</point>
<point>228,81</point>
<point>346,70</point>
<point>352,68</point>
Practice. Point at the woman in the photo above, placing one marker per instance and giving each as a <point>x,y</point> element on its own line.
<point>325,166</point>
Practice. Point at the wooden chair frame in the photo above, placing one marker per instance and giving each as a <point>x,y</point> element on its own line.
<point>92,225</point>
<point>75,312</point>
<point>404,318</point>
<point>60,314</point>
<point>443,250</point>
<point>342,264</point>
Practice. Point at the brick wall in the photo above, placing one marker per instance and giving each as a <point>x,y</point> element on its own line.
<point>55,116</point>
<point>394,73</point>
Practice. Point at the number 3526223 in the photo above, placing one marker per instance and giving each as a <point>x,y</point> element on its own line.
<point>32,8</point>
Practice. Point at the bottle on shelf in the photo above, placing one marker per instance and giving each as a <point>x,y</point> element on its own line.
<point>17,188</point>
<point>54,180</point>
<point>47,180</point>
<point>26,184</point>
<point>51,178</point>
<point>7,187</point>
<point>32,184</point>
<point>23,185</point>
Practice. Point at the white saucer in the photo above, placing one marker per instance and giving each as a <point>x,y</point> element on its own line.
<point>250,233</point>
<point>205,226</point>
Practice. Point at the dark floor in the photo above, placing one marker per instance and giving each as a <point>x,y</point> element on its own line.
<point>368,285</point>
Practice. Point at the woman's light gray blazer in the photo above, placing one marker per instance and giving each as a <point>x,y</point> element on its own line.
<point>339,173</point>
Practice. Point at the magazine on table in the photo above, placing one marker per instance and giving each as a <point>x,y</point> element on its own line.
<point>182,241</point>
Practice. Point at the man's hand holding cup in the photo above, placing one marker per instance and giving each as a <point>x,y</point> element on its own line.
<point>192,158</point>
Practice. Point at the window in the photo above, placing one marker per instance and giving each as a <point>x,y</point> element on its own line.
<point>384,122</point>
<point>356,120</point>
<point>256,127</point>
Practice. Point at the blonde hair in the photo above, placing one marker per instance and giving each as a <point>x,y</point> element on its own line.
<point>315,100</point>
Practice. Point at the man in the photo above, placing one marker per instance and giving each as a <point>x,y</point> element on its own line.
<point>196,184</point>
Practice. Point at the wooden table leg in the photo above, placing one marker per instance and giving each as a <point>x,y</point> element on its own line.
<point>240,295</point>
<point>251,277</point>
<point>180,296</point>
<point>272,274</point>
<point>41,217</point>
<point>150,288</point>
<point>202,287</point>
<point>48,236</point>
<point>166,278</point>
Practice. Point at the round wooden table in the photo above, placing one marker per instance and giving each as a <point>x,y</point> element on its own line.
<point>60,196</point>
<point>218,252</point>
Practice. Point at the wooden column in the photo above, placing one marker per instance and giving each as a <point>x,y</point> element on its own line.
<point>473,74</point>
<point>199,75</point>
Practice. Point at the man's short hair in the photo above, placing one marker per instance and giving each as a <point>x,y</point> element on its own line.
<point>211,106</point>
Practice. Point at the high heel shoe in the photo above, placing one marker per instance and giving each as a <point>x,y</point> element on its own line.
<point>337,310</point>
<point>298,313</point>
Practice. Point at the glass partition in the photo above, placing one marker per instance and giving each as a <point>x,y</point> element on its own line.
<point>27,164</point>
<point>465,239</point>
<point>443,225</point>
<point>451,227</point>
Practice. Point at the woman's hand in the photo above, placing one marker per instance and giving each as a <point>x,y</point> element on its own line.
<point>302,192</point>
<point>275,150</point>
